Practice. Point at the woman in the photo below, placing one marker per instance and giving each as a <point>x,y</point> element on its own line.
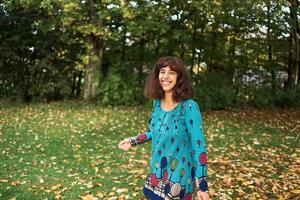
<point>178,164</point>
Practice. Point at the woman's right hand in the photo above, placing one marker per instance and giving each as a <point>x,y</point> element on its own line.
<point>125,144</point>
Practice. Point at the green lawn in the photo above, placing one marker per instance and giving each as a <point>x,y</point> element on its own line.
<point>68,150</point>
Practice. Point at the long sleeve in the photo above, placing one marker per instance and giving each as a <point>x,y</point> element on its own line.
<point>144,137</point>
<point>194,126</point>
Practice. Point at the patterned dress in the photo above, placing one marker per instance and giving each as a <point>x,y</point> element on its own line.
<point>178,163</point>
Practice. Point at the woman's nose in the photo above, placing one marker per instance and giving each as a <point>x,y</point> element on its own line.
<point>166,75</point>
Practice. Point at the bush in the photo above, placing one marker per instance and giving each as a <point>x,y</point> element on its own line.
<point>214,91</point>
<point>288,98</point>
<point>266,97</point>
<point>120,88</point>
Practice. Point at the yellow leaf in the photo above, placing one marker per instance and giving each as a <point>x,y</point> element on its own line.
<point>295,191</point>
<point>15,183</point>
<point>100,194</point>
<point>89,197</point>
<point>55,187</point>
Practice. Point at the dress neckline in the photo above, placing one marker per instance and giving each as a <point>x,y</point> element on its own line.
<point>167,111</point>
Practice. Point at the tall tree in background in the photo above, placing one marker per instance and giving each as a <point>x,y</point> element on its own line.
<point>293,65</point>
<point>58,49</point>
<point>86,19</point>
<point>94,53</point>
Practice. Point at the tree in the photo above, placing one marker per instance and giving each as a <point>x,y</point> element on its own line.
<point>293,65</point>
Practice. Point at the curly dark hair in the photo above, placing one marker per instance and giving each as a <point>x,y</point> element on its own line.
<point>183,88</point>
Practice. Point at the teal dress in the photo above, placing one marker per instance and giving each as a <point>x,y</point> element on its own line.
<point>178,162</point>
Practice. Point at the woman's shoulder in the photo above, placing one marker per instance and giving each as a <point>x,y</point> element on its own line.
<point>190,101</point>
<point>191,104</point>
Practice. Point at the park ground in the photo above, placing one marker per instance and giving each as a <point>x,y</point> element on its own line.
<point>68,150</point>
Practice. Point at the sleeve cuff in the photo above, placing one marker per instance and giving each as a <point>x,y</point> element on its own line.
<point>133,141</point>
<point>201,184</point>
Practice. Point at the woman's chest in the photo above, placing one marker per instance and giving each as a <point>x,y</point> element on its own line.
<point>168,124</point>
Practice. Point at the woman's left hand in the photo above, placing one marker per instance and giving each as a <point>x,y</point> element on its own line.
<point>202,195</point>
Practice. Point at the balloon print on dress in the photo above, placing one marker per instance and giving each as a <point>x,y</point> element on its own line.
<point>153,180</point>
<point>172,140</point>
<point>193,172</point>
<point>175,189</point>
<point>183,160</point>
<point>173,166</point>
<point>182,172</point>
<point>174,163</point>
<point>159,152</point>
<point>177,151</point>
<point>165,175</point>
<point>163,162</point>
<point>191,122</point>
<point>199,142</point>
<point>202,158</point>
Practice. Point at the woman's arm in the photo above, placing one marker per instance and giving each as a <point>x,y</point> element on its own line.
<point>194,125</point>
<point>141,138</point>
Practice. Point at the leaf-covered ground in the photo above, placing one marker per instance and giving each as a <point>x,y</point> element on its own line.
<point>69,151</point>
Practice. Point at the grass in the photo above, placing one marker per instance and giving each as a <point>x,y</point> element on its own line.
<point>68,150</point>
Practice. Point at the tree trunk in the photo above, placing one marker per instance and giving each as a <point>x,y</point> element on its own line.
<point>141,59</point>
<point>231,70</point>
<point>157,46</point>
<point>124,44</point>
<point>270,55</point>
<point>95,56</point>
<point>193,47</point>
<point>78,84</point>
<point>93,69</point>
<point>293,66</point>
<point>212,52</point>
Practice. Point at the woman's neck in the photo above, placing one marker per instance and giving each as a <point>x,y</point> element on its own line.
<point>168,99</point>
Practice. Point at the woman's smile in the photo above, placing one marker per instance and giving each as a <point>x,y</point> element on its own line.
<point>167,78</point>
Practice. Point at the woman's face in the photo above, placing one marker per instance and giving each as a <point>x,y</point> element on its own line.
<point>167,78</point>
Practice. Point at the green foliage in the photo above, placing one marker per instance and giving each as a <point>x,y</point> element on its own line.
<point>288,98</point>
<point>39,60</point>
<point>266,97</point>
<point>46,48</point>
<point>214,91</point>
<point>120,88</point>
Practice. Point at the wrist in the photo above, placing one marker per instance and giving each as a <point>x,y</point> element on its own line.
<point>132,141</point>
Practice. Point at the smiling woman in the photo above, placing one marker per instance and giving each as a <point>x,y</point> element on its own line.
<point>167,78</point>
<point>178,164</point>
